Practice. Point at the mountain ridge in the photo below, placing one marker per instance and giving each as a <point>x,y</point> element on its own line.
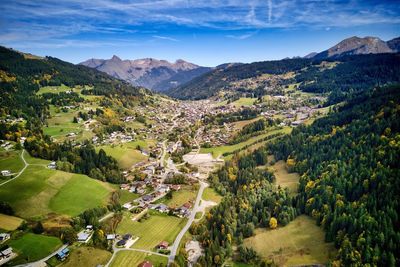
<point>152,73</point>
<point>357,46</point>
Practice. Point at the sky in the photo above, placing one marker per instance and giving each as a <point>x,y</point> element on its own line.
<point>205,32</point>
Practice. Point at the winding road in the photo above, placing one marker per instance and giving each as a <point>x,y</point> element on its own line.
<point>175,245</point>
<point>26,164</point>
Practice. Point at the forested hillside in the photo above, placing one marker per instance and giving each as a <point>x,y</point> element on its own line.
<point>349,166</point>
<point>23,112</point>
<point>342,76</point>
<point>349,162</point>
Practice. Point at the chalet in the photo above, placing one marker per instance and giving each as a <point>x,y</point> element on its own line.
<point>163,245</point>
<point>121,243</point>
<point>52,165</point>
<point>145,264</point>
<point>4,237</point>
<point>161,208</point>
<point>110,236</point>
<point>6,252</point>
<point>127,205</point>
<point>6,173</point>
<point>63,254</point>
<point>124,186</point>
<point>175,187</point>
<point>147,198</point>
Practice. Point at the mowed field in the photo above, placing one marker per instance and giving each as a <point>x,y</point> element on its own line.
<point>39,191</point>
<point>126,154</point>
<point>11,160</point>
<point>284,178</point>
<point>301,242</point>
<point>151,231</point>
<point>32,247</point>
<point>134,258</point>
<point>219,150</point>
<point>9,223</point>
<point>87,256</point>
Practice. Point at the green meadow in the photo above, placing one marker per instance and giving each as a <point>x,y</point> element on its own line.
<point>152,231</point>
<point>301,242</point>
<point>32,247</point>
<point>39,191</point>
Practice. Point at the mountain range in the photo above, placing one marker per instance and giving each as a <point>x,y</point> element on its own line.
<point>183,76</point>
<point>158,75</point>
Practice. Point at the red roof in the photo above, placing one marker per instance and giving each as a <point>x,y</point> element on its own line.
<point>163,244</point>
<point>145,264</point>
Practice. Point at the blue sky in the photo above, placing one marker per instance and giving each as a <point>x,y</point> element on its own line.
<point>203,32</point>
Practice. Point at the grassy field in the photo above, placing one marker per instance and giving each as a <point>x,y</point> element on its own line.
<point>54,89</point>
<point>238,125</point>
<point>31,247</point>
<point>284,178</point>
<point>39,191</point>
<point>10,160</point>
<point>243,101</point>
<point>209,194</point>
<point>219,150</point>
<point>134,258</point>
<point>186,194</point>
<point>301,242</point>
<point>32,160</point>
<point>126,196</point>
<point>153,230</point>
<point>9,223</point>
<point>126,154</point>
<point>87,256</point>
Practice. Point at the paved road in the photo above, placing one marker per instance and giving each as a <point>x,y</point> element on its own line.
<point>175,246</point>
<point>26,164</point>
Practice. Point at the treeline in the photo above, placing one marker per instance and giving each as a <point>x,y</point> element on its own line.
<point>350,167</point>
<point>251,200</point>
<point>221,118</point>
<point>78,159</point>
<point>351,74</point>
<point>251,130</point>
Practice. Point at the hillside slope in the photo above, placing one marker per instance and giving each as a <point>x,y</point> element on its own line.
<point>349,167</point>
<point>334,76</point>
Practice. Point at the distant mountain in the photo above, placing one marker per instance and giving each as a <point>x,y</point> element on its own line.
<point>357,46</point>
<point>159,75</point>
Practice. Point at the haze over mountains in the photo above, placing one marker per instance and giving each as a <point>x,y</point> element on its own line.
<point>155,74</point>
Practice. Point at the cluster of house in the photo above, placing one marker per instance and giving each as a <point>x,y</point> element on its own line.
<point>217,136</point>
<point>4,237</point>
<point>11,120</point>
<point>114,137</point>
<point>6,144</point>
